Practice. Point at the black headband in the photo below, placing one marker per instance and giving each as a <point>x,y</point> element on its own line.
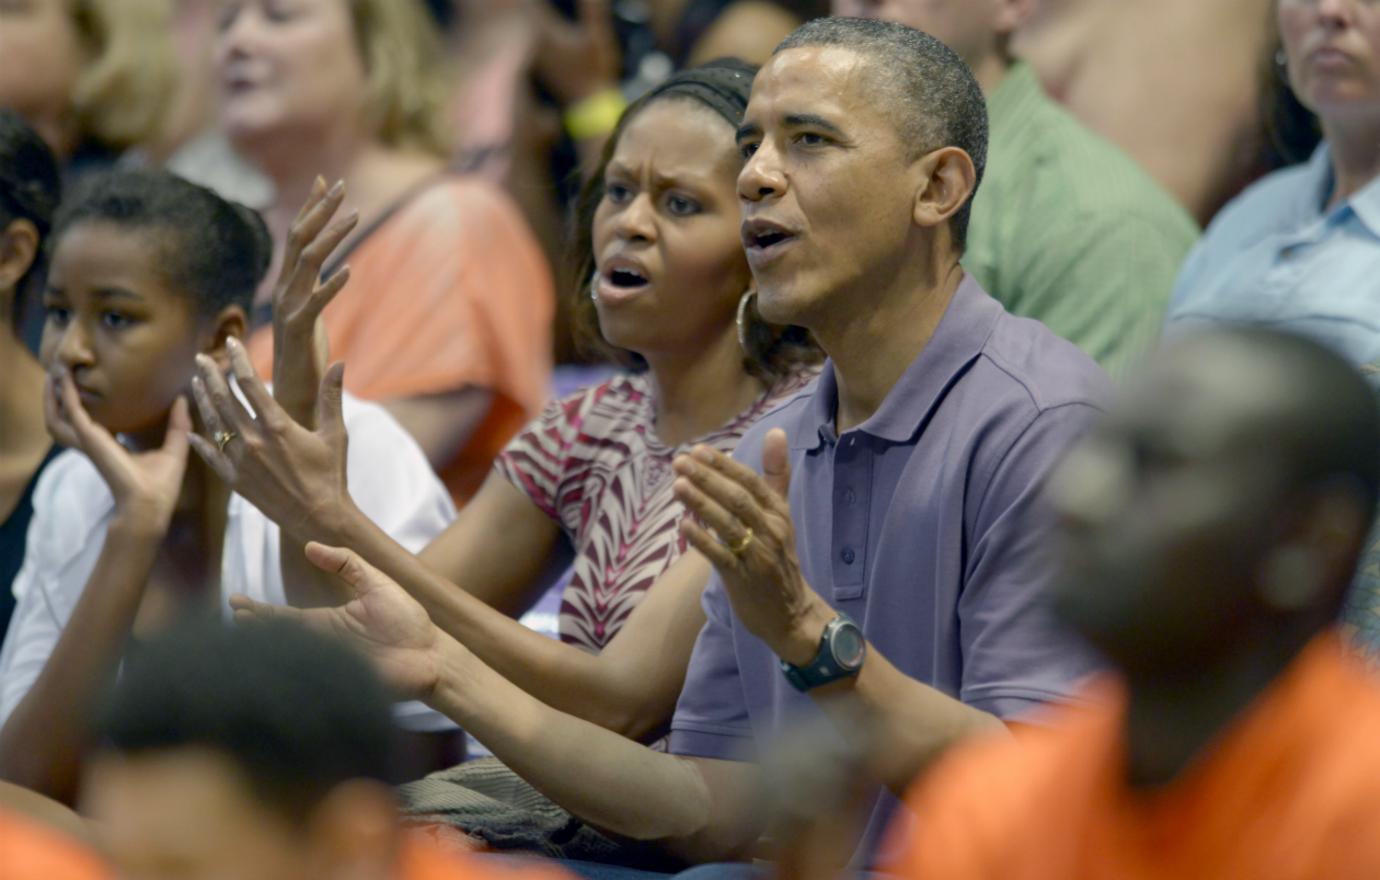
<point>723,87</point>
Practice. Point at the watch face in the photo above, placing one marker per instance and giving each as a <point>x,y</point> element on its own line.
<point>848,645</point>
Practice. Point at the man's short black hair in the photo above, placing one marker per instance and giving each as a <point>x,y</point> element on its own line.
<point>924,85</point>
<point>296,712</point>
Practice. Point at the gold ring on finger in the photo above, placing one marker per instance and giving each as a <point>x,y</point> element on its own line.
<point>223,439</point>
<point>739,547</point>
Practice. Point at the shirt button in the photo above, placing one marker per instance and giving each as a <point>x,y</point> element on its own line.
<point>848,555</point>
<point>850,497</point>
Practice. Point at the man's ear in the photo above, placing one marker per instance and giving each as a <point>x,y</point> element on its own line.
<point>354,832</point>
<point>946,180</point>
<point>1317,559</point>
<point>18,250</point>
<point>231,321</point>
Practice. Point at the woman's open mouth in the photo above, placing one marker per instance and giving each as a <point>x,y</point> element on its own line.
<point>621,280</point>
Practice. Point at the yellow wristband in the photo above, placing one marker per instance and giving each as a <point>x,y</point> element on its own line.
<point>596,115</point>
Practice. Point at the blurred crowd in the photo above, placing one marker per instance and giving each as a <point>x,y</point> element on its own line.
<point>739,438</point>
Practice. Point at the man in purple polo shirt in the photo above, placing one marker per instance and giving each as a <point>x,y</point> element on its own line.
<point>891,551</point>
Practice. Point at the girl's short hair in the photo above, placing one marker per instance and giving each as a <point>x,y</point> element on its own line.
<point>408,84</point>
<point>771,350</point>
<point>130,74</point>
<point>214,250</point>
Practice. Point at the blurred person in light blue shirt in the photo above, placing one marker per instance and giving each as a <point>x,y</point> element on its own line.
<point>1300,250</point>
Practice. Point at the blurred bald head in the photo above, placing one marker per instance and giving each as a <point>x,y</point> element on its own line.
<point>1231,489</point>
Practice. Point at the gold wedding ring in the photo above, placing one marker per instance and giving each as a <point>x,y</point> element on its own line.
<point>223,439</point>
<point>739,547</point>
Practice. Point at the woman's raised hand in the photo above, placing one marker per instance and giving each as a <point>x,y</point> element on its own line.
<point>380,619</point>
<point>300,350</point>
<point>295,476</point>
<point>145,485</point>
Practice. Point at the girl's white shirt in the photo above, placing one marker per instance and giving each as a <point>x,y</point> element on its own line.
<point>390,481</point>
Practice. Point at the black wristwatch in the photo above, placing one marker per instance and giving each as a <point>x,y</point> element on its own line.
<point>840,655</point>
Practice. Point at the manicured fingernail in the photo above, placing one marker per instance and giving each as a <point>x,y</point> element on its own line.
<point>232,343</point>
<point>338,188</point>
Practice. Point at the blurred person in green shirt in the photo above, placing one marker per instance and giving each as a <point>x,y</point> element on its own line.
<point>1066,228</point>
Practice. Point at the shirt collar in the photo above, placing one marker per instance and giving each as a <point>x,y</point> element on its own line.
<point>1365,203</point>
<point>957,341</point>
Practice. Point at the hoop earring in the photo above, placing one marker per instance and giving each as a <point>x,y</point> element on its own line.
<point>1282,66</point>
<point>594,286</point>
<point>742,319</point>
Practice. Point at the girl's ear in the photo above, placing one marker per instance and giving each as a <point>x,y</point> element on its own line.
<point>18,249</point>
<point>231,321</point>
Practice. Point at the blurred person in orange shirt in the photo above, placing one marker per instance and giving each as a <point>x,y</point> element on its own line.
<point>447,319</point>
<point>259,752</point>
<point>40,839</point>
<point>1211,527</point>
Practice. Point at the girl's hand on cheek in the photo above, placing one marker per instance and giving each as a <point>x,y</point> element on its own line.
<point>145,485</point>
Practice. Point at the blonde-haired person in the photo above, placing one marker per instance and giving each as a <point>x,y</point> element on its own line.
<point>92,76</point>
<point>447,320</point>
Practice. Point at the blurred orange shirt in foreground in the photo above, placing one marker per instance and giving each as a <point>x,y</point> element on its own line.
<point>30,851</point>
<point>1290,792</point>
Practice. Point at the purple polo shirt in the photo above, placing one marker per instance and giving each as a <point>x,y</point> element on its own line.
<point>922,524</point>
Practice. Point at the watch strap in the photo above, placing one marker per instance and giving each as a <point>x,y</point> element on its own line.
<point>824,667</point>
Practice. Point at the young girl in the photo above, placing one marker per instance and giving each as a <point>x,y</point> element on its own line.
<point>149,271</point>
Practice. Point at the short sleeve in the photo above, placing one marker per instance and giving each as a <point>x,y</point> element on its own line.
<point>711,718</point>
<point>64,541</point>
<point>1015,657</point>
<point>390,479</point>
<point>32,636</point>
<point>535,460</point>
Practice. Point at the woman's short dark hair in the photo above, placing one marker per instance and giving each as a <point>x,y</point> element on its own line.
<point>216,251</point>
<point>772,350</point>
<point>30,187</point>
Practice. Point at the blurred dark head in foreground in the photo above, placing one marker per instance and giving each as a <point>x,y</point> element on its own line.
<point>1222,505</point>
<point>258,752</point>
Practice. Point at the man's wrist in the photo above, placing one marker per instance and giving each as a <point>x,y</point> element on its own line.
<point>800,644</point>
